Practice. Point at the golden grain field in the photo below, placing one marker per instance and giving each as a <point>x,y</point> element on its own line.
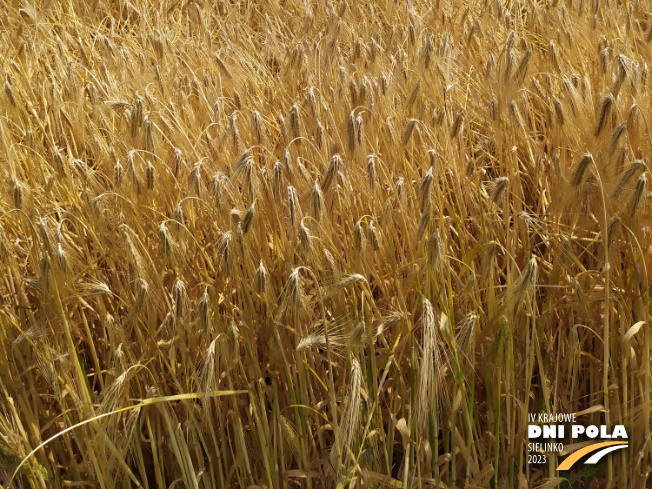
<point>275,244</point>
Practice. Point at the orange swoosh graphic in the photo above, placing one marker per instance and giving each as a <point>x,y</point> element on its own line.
<point>575,456</point>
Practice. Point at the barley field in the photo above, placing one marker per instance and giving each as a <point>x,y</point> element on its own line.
<point>275,244</point>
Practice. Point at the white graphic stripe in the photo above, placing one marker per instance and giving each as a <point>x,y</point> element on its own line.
<point>595,458</point>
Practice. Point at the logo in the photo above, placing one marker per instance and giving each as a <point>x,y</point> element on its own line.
<point>601,450</point>
<point>547,432</point>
